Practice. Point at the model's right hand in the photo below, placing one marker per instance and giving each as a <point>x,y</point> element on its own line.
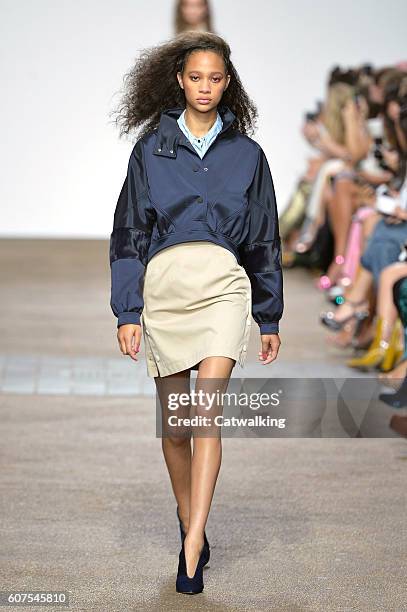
<point>270,345</point>
<point>129,337</point>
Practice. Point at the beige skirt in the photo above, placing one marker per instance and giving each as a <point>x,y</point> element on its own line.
<point>197,303</point>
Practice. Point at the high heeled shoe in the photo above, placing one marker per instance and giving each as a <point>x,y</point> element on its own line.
<point>207,551</point>
<point>328,318</point>
<point>381,354</point>
<point>184,583</point>
<point>352,335</point>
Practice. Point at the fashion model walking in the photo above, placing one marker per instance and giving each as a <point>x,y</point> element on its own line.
<point>194,252</point>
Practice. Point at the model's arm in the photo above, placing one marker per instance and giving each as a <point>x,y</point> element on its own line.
<point>130,240</point>
<point>261,252</point>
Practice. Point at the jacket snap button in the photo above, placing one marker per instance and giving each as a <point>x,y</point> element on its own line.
<point>159,150</point>
<point>244,347</point>
<point>171,151</point>
<point>200,199</point>
<point>157,357</point>
<point>206,169</point>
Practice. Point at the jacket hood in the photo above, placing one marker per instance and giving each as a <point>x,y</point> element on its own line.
<point>169,134</point>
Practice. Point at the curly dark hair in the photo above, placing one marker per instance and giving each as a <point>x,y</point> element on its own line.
<point>151,86</point>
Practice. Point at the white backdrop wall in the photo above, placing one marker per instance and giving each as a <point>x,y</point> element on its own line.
<point>62,62</point>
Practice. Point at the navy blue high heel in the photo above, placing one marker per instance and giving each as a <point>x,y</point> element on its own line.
<point>207,551</point>
<point>185,584</point>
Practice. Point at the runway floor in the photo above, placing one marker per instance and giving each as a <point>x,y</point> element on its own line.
<point>296,524</point>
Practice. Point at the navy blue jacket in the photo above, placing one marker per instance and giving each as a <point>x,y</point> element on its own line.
<point>170,195</point>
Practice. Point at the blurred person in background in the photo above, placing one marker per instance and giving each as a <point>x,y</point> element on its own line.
<point>339,134</point>
<point>352,191</point>
<point>352,202</point>
<point>192,15</point>
<point>336,222</point>
<point>379,269</point>
<point>343,141</point>
<point>399,399</point>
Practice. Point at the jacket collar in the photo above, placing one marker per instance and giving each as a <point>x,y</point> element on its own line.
<point>169,134</point>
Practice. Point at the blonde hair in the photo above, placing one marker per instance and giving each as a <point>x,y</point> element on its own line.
<point>337,97</point>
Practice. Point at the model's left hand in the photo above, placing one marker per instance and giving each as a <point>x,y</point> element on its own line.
<point>270,344</point>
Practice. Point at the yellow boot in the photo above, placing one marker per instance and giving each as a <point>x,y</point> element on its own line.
<point>395,349</point>
<point>380,351</point>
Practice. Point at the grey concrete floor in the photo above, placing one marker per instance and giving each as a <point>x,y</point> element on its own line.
<point>296,524</point>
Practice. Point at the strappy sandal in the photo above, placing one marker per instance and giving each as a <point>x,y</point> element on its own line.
<point>328,318</point>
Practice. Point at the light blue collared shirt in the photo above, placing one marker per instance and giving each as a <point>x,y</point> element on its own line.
<point>202,143</point>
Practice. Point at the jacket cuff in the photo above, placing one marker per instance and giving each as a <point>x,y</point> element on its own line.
<point>128,317</point>
<point>269,328</point>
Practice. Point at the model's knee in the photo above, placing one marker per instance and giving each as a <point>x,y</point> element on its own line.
<point>178,441</point>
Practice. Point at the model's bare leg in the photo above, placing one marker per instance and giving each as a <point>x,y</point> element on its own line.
<point>176,443</point>
<point>213,376</point>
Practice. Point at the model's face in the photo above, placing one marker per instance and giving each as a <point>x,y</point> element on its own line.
<point>194,11</point>
<point>204,80</point>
